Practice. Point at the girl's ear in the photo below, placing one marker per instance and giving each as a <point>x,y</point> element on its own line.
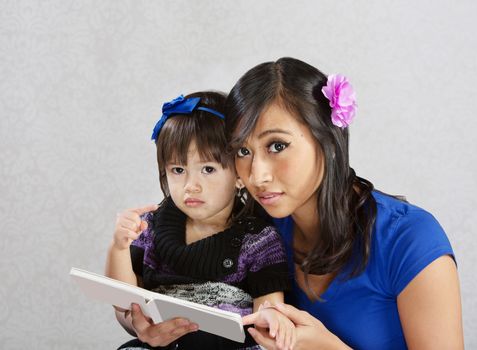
<point>239,183</point>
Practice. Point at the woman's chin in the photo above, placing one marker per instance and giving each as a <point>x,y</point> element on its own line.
<point>277,212</point>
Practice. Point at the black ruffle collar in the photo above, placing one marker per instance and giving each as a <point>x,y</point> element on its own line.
<point>208,258</point>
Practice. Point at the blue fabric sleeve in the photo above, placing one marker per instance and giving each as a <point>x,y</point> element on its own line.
<point>416,241</point>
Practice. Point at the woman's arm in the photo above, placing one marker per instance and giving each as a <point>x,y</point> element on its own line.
<point>430,308</point>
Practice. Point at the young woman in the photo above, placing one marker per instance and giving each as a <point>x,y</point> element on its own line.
<point>371,271</point>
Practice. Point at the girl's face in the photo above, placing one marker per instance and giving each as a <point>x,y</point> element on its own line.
<point>281,164</point>
<point>204,191</point>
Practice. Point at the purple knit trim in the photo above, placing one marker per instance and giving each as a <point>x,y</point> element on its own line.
<point>236,309</point>
<point>146,242</point>
<point>258,251</point>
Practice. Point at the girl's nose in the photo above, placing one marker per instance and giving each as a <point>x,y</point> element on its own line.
<point>192,185</point>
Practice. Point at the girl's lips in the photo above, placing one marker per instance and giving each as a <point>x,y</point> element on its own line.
<point>269,198</point>
<point>193,202</point>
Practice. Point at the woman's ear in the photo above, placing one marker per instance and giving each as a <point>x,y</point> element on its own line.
<point>239,183</point>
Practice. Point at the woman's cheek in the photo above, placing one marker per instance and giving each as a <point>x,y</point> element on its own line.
<point>240,167</point>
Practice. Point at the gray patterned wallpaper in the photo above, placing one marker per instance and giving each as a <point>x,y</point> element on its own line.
<point>82,84</point>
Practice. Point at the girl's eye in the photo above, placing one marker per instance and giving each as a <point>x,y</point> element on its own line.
<point>276,147</point>
<point>208,170</point>
<point>177,170</point>
<point>242,152</point>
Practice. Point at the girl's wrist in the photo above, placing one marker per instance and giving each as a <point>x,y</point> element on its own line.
<point>117,248</point>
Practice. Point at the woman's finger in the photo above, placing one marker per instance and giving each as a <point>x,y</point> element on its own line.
<point>298,317</point>
<point>139,321</point>
<point>146,209</point>
<point>293,338</point>
<point>280,337</point>
<point>129,218</point>
<point>288,337</point>
<point>273,327</point>
<point>262,339</point>
<point>172,330</point>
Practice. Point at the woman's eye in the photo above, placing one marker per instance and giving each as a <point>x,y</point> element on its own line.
<point>276,147</point>
<point>242,152</point>
<point>177,170</point>
<point>208,170</point>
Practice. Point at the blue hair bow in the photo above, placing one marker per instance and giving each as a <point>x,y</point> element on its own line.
<point>180,105</point>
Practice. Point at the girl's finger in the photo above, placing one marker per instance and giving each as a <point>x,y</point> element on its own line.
<point>250,319</point>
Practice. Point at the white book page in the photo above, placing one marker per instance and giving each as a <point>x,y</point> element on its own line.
<point>215,321</point>
<point>114,292</point>
<point>158,306</point>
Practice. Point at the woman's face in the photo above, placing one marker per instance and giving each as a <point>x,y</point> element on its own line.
<point>281,164</point>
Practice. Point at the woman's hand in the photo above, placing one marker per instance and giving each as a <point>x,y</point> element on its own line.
<point>280,328</point>
<point>160,334</point>
<point>310,332</point>
<point>129,226</point>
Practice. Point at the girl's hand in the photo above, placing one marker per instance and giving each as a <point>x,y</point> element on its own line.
<point>280,328</point>
<point>310,332</point>
<point>129,226</point>
<point>161,334</point>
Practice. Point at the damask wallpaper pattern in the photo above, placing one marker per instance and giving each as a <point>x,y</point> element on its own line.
<point>82,84</point>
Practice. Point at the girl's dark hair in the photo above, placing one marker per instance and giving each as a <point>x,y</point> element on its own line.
<point>202,127</point>
<point>346,207</point>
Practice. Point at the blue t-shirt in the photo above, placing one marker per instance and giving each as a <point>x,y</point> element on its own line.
<point>362,311</point>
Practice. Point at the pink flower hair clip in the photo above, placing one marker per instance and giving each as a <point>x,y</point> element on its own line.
<point>342,99</point>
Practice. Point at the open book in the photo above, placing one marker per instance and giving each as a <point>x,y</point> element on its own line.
<point>159,307</point>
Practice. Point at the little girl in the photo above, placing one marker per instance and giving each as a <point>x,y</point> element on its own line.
<point>198,245</point>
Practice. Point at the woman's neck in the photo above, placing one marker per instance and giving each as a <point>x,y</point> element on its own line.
<point>307,223</point>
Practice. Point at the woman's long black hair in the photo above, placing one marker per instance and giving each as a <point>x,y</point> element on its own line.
<point>346,207</point>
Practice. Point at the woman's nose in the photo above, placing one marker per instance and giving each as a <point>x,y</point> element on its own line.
<point>260,172</point>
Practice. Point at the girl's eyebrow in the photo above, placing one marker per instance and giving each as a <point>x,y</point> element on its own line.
<point>273,131</point>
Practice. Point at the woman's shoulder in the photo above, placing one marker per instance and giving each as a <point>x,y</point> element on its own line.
<point>406,238</point>
<point>394,211</point>
<point>401,228</point>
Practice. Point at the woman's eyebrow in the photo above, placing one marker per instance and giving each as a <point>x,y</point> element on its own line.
<point>273,131</point>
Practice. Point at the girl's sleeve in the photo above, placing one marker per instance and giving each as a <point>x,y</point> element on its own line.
<point>268,269</point>
<point>416,241</point>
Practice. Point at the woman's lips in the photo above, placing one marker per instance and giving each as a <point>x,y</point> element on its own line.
<point>269,198</point>
<point>193,202</point>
